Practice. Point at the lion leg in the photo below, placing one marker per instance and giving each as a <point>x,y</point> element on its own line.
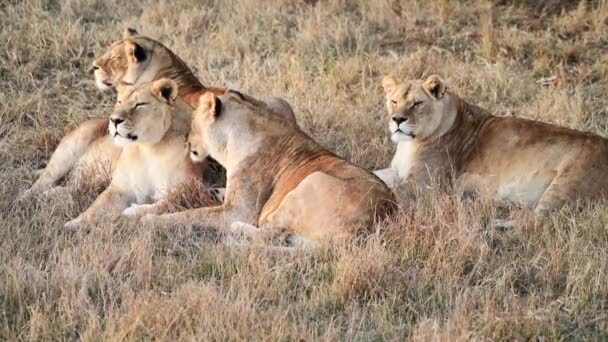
<point>111,202</point>
<point>242,230</point>
<point>299,242</point>
<point>66,155</point>
<point>95,166</point>
<point>319,207</point>
<point>574,180</point>
<point>138,210</point>
<point>218,217</point>
<point>59,192</point>
<point>556,195</point>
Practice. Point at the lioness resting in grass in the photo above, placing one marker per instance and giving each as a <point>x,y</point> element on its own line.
<point>278,177</point>
<point>151,123</point>
<point>441,137</point>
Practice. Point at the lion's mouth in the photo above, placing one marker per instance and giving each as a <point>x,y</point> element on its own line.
<point>409,134</point>
<point>129,136</point>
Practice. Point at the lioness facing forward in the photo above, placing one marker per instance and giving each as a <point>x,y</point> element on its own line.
<point>278,177</point>
<point>151,123</point>
<point>440,137</point>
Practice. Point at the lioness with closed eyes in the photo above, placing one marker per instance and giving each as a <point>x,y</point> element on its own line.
<point>151,124</point>
<point>441,137</point>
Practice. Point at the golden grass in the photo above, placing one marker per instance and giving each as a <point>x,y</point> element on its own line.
<point>438,272</point>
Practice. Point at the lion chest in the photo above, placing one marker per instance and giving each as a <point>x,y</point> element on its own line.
<point>150,174</point>
<point>404,158</point>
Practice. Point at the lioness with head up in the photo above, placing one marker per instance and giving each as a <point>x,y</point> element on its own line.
<point>277,176</point>
<point>441,137</point>
<point>151,124</point>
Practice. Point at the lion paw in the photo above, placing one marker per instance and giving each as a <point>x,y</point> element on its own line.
<point>137,209</point>
<point>243,230</point>
<point>74,224</point>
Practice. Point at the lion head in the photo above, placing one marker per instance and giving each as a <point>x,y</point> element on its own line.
<point>205,134</point>
<point>145,113</point>
<point>230,118</point>
<point>133,60</point>
<point>418,110</point>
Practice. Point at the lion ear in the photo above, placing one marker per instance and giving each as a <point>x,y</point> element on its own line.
<point>389,83</point>
<point>165,89</point>
<point>209,103</point>
<point>129,32</point>
<point>135,52</point>
<point>435,86</point>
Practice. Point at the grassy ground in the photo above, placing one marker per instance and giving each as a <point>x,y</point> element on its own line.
<point>438,272</point>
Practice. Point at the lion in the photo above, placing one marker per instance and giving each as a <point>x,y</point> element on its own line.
<point>440,137</point>
<point>278,178</point>
<point>151,124</point>
<point>88,152</point>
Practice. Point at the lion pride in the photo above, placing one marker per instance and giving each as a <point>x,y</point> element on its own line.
<point>88,153</point>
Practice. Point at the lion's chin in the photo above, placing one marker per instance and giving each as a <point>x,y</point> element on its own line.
<point>196,158</point>
<point>122,141</point>
<point>399,136</point>
<point>102,85</point>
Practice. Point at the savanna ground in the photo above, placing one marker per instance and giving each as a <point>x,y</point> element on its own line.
<point>439,271</point>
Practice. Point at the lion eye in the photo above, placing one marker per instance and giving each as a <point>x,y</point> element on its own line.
<point>139,104</point>
<point>394,102</point>
<point>416,104</point>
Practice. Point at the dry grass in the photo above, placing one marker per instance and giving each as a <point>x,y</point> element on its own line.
<point>438,272</point>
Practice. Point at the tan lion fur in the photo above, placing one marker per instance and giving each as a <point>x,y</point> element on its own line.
<point>442,137</point>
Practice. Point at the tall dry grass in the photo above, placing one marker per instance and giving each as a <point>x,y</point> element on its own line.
<point>438,272</point>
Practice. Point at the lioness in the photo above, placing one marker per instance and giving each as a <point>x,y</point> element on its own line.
<point>278,177</point>
<point>151,123</point>
<point>440,137</point>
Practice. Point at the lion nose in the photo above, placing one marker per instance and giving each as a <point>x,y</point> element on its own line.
<point>93,68</point>
<point>399,120</point>
<point>117,121</point>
